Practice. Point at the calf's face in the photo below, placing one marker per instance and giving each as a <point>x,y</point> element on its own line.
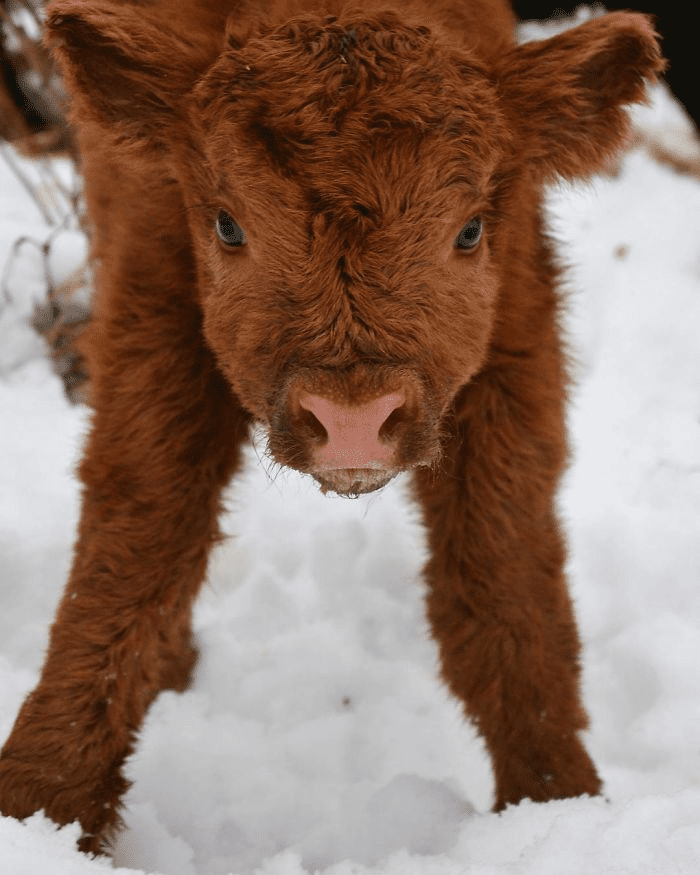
<point>356,189</point>
<point>347,282</point>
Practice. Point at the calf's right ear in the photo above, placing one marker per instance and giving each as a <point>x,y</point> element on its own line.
<point>123,67</point>
<point>566,95</point>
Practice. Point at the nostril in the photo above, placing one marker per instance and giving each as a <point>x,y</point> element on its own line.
<point>313,424</point>
<point>391,424</point>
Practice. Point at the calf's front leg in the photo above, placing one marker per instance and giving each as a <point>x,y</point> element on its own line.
<point>497,599</point>
<point>165,440</point>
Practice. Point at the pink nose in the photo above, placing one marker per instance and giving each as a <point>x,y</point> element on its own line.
<point>353,439</point>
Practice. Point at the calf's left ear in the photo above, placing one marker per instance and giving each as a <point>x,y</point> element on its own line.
<point>125,68</point>
<point>566,95</point>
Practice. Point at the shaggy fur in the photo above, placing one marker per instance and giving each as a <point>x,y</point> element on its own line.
<point>285,206</point>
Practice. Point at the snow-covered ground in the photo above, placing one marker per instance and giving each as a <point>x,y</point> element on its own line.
<point>316,736</point>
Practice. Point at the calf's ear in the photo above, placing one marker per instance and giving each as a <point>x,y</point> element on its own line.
<point>566,95</point>
<point>123,67</point>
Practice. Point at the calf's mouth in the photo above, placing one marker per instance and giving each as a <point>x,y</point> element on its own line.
<point>351,482</point>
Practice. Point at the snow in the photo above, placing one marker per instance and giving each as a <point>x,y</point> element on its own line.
<point>316,736</point>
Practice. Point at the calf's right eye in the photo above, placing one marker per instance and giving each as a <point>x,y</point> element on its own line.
<point>229,231</point>
<point>470,235</point>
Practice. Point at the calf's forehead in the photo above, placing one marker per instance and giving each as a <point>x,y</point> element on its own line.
<point>372,179</point>
<point>326,101</point>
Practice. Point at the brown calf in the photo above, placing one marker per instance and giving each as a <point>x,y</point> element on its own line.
<point>325,218</point>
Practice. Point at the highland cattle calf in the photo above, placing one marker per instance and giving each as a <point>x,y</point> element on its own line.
<point>324,217</point>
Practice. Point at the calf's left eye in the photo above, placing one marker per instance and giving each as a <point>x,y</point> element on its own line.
<point>229,231</point>
<point>469,236</point>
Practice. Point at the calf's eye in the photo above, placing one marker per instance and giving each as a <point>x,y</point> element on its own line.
<point>469,236</point>
<point>229,231</point>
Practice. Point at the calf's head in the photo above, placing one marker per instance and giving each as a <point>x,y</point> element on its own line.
<point>355,189</point>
